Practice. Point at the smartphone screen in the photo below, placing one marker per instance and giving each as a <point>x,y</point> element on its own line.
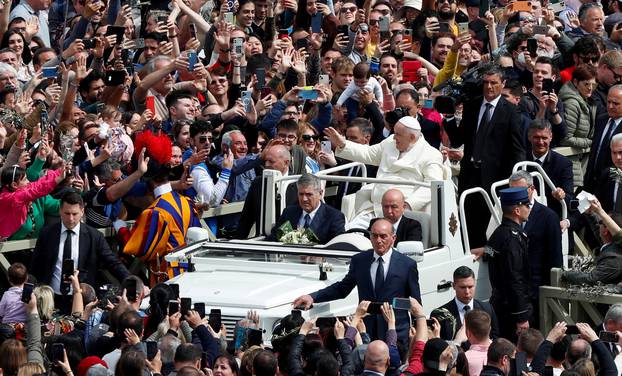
<point>130,289</point>
<point>316,23</point>
<point>401,303</point>
<point>119,31</point>
<point>184,307</point>
<point>547,85</point>
<point>607,336</point>
<point>192,60</point>
<point>260,73</point>
<point>325,322</point>
<point>175,290</point>
<point>152,349</point>
<point>572,329</point>
<point>173,307</point>
<point>532,46</point>
<point>254,337</point>
<point>484,6</point>
<point>67,269</point>
<point>214,320</point>
<point>27,292</point>
<point>58,352</point>
<point>193,30</point>
<point>374,308</point>
<point>200,308</point>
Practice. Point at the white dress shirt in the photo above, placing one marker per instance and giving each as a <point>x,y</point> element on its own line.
<point>541,159</point>
<point>75,252</point>
<point>386,258</point>
<point>482,109</point>
<point>301,221</point>
<point>461,308</point>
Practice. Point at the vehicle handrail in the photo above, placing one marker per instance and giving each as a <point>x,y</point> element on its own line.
<point>497,184</point>
<point>545,178</point>
<point>462,214</point>
<point>345,167</point>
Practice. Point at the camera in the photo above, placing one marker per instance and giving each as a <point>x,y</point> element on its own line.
<point>465,87</point>
<point>392,117</point>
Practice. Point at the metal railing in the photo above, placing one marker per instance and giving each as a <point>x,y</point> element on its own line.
<point>462,214</point>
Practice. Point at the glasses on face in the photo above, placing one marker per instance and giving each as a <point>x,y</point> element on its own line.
<point>204,139</point>
<point>616,77</point>
<point>348,9</point>
<point>309,137</point>
<point>590,59</point>
<point>373,22</point>
<point>397,32</point>
<point>285,136</point>
<point>527,19</point>
<point>446,1</point>
<point>221,81</point>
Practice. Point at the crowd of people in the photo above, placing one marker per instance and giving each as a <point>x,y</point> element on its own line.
<point>152,112</point>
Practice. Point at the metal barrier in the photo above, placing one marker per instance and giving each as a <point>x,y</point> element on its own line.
<point>558,303</point>
<point>462,214</point>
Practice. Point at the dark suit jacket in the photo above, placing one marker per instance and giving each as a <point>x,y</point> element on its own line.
<point>605,191</point>
<point>502,149</point>
<point>327,223</point>
<point>402,281</point>
<point>559,169</point>
<point>595,167</point>
<point>94,254</point>
<point>407,230</point>
<point>251,212</point>
<point>452,307</point>
<point>545,245</point>
<point>431,131</point>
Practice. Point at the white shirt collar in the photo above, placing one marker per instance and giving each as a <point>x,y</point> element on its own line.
<point>76,230</point>
<point>162,189</point>
<point>542,158</point>
<point>312,214</point>
<point>461,305</point>
<point>396,224</point>
<point>385,258</point>
<point>494,102</point>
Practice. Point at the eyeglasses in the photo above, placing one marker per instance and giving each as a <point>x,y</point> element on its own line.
<point>617,77</point>
<point>527,19</point>
<point>590,59</point>
<point>349,9</point>
<point>309,137</point>
<point>204,139</point>
<point>372,22</point>
<point>287,136</point>
<point>221,81</point>
<point>397,32</point>
<point>446,1</point>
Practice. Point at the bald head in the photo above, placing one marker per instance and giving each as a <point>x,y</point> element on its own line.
<point>377,357</point>
<point>578,349</point>
<point>277,158</point>
<point>393,205</point>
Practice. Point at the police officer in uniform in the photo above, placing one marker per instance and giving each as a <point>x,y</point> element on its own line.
<point>508,264</point>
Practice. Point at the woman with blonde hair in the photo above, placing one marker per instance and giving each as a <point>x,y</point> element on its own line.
<point>30,369</point>
<point>45,302</point>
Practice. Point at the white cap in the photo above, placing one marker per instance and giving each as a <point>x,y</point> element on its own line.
<point>416,4</point>
<point>410,122</point>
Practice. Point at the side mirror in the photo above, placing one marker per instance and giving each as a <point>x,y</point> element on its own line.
<point>412,249</point>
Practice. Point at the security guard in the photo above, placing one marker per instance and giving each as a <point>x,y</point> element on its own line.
<point>508,265</point>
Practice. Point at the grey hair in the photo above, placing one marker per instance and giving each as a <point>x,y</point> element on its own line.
<point>4,67</point>
<point>150,66</point>
<point>522,175</point>
<point>617,87</point>
<point>226,138</point>
<point>616,138</point>
<point>168,345</point>
<point>308,180</point>
<point>454,355</point>
<point>614,313</point>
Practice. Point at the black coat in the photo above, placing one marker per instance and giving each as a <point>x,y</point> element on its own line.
<point>452,307</point>
<point>559,170</point>
<point>594,166</point>
<point>94,255</point>
<point>503,147</point>
<point>327,223</point>
<point>605,191</point>
<point>408,230</point>
<point>545,245</point>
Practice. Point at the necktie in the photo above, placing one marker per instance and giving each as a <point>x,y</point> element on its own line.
<point>539,162</point>
<point>480,135</point>
<point>379,281</point>
<point>605,140</point>
<point>466,308</point>
<point>64,287</point>
<point>307,221</point>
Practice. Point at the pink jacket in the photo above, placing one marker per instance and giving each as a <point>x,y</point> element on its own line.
<point>14,205</point>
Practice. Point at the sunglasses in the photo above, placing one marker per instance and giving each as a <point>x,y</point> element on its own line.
<point>590,59</point>
<point>309,137</point>
<point>204,139</point>
<point>372,22</point>
<point>218,81</point>
<point>349,9</point>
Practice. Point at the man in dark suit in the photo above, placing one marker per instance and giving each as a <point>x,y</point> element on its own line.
<point>557,167</point>
<point>545,240</point>
<point>393,206</point>
<point>464,285</point>
<point>275,158</point>
<point>490,131</point>
<point>324,221</point>
<point>409,99</point>
<point>380,275</point>
<point>612,323</point>
<point>606,127</point>
<point>73,240</point>
<point>609,188</point>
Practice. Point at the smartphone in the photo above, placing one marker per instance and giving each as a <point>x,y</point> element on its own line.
<point>407,36</point>
<point>247,97</point>
<point>428,103</point>
<point>283,33</point>
<point>518,364</point>
<point>58,352</point>
<point>175,291</point>
<point>344,29</point>
<point>260,73</point>
<point>326,147</point>
<point>185,306</point>
<point>140,43</point>
<point>150,105</point>
<point>445,104</point>
<point>254,337</point>
<point>152,349</point>
<point>308,94</point>
<point>383,25</point>
<point>265,92</point>
<point>484,6</point>
<point>215,319</point>
<point>115,77</point>
<point>540,29</point>
<point>463,27</point>
<point>401,303</point>
<point>557,5</point>
<point>173,307</point>
<point>240,335</point>
<point>91,43</point>
<point>316,23</point>
<point>50,72</point>
<point>429,323</point>
<point>119,31</point>
<point>130,289</point>
<point>302,43</point>
<point>193,30</point>
<point>325,322</point>
<point>27,292</point>
<point>532,47</point>
<point>296,314</point>
<point>443,27</point>
<point>572,329</point>
<point>607,336</point>
<point>43,119</point>
<point>192,59</point>
<point>521,6</point>
<point>324,79</point>
<point>228,17</point>
<point>238,46</point>
<point>374,308</point>
<point>409,71</point>
<point>547,85</point>
<point>200,308</point>
<point>67,269</point>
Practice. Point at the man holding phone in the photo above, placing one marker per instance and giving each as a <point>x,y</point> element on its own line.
<point>368,272</point>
